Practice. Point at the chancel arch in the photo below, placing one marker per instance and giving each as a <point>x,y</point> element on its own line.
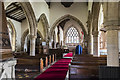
<point>12,34</point>
<point>68,17</point>
<point>77,30</point>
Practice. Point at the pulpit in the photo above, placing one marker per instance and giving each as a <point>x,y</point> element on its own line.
<point>7,61</point>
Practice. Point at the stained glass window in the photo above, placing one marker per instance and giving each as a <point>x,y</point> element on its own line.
<point>72,35</point>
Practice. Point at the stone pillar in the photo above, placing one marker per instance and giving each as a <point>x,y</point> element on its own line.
<point>95,44</point>
<point>50,44</point>
<point>112,25</point>
<point>85,45</point>
<point>90,44</point>
<point>112,48</point>
<point>54,45</point>
<point>32,45</point>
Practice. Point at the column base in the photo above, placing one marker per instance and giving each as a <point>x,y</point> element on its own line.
<point>96,55</point>
<point>32,54</point>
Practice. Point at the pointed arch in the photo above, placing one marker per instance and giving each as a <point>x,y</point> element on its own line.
<point>30,16</point>
<point>26,32</point>
<point>12,27</point>
<point>45,24</point>
<point>68,17</point>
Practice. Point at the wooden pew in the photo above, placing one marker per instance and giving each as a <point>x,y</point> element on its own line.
<point>85,67</point>
<point>25,61</point>
<point>48,60</point>
<point>28,62</point>
<point>38,62</point>
<point>83,72</point>
<point>41,65</point>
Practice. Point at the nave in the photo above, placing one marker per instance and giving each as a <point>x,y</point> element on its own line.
<point>70,66</point>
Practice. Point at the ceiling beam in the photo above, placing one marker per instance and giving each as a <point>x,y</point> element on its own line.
<point>13,18</point>
<point>17,14</point>
<point>15,4</point>
<point>14,10</point>
<point>23,19</point>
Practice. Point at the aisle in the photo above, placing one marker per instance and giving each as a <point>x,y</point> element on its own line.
<point>68,55</point>
<point>57,71</point>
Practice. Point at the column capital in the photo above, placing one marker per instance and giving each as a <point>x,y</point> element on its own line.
<point>32,36</point>
<point>112,27</point>
<point>95,33</point>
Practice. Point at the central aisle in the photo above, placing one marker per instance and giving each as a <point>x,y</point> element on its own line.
<point>57,71</point>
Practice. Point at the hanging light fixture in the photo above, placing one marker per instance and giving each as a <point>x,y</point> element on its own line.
<point>67,3</point>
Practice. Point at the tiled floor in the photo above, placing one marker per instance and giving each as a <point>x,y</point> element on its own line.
<point>26,75</point>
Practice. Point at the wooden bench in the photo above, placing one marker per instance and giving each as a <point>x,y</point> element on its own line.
<point>37,62</point>
<point>85,67</point>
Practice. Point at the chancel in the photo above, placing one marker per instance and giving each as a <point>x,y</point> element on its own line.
<point>64,40</point>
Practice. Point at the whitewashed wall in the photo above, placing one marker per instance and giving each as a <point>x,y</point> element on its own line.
<point>78,10</point>
<point>40,8</point>
<point>24,26</point>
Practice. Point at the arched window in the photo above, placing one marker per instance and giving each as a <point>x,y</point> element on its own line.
<point>72,35</point>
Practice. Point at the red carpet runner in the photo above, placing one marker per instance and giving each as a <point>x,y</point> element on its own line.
<point>68,55</point>
<point>57,71</point>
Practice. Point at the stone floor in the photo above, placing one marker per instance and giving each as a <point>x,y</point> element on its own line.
<point>26,75</point>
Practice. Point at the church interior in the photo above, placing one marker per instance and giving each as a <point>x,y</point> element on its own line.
<point>65,40</point>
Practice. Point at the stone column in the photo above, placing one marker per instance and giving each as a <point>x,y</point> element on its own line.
<point>54,45</point>
<point>95,44</point>
<point>112,25</point>
<point>32,45</point>
<point>112,48</point>
<point>85,45</point>
<point>50,44</point>
<point>90,44</point>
